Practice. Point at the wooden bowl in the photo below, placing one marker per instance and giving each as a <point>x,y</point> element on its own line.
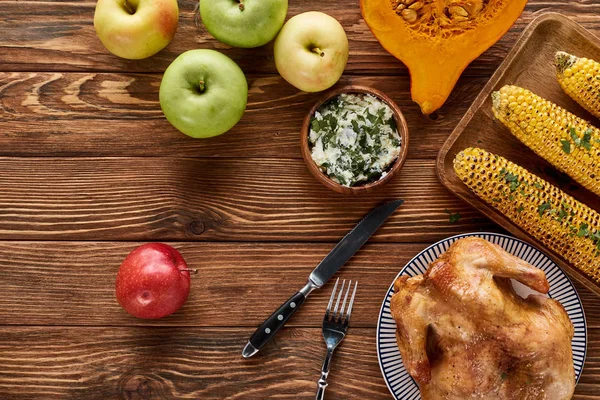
<point>392,169</point>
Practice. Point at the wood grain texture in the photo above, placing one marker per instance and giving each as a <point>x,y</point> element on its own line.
<point>195,363</point>
<point>72,283</point>
<point>88,114</point>
<point>211,199</point>
<point>57,36</point>
<point>88,159</point>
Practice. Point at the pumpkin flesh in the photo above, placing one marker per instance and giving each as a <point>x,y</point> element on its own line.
<point>437,39</point>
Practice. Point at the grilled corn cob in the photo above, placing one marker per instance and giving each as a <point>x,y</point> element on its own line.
<point>580,79</point>
<point>560,222</point>
<point>568,142</point>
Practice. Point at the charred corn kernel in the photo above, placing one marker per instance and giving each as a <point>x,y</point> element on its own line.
<point>580,79</point>
<point>557,220</point>
<point>568,142</point>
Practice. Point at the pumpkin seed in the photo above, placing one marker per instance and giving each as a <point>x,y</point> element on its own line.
<point>400,7</point>
<point>473,7</point>
<point>409,2</point>
<point>409,15</point>
<point>416,6</point>
<point>458,11</point>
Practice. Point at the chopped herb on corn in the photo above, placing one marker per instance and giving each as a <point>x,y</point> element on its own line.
<point>580,79</point>
<point>557,220</point>
<point>568,142</point>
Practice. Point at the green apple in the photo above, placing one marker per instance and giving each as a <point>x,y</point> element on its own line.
<point>243,23</point>
<point>136,29</point>
<point>311,51</point>
<point>203,93</point>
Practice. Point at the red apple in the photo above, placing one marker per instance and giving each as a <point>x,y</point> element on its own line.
<point>153,281</point>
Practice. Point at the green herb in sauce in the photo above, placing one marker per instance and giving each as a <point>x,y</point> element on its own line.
<point>354,139</point>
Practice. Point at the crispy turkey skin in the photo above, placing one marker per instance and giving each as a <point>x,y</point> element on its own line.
<point>464,333</point>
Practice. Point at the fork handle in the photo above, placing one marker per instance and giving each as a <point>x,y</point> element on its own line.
<point>324,373</point>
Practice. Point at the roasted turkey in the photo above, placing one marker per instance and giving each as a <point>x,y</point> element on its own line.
<point>464,333</point>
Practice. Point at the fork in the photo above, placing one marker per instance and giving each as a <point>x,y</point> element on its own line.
<point>335,326</point>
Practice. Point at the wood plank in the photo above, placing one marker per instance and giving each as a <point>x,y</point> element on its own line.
<point>211,199</point>
<point>57,36</point>
<point>161,363</point>
<point>88,114</point>
<point>76,279</point>
<point>79,277</point>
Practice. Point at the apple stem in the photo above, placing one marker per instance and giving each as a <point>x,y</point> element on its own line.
<point>201,86</point>
<point>318,51</point>
<point>241,6</point>
<point>128,7</point>
<point>193,271</point>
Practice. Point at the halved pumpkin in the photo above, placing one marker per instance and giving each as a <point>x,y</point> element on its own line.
<point>437,39</point>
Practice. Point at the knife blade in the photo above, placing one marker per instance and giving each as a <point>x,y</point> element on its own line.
<point>336,258</point>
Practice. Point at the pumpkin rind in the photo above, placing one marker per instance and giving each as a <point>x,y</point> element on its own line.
<point>438,45</point>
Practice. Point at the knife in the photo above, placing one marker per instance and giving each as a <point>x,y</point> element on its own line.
<point>321,274</point>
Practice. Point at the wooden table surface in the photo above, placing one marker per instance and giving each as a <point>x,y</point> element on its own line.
<point>90,168</point>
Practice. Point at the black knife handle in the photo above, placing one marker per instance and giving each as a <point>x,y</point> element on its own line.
<point>275,322</point>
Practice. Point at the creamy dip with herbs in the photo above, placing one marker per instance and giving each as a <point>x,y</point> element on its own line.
<point>354,139</point>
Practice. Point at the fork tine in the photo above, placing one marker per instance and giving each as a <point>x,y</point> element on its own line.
<point>339,297</point>
<point>331,298</point>
<point>341,314</point>
<point>351,303</point>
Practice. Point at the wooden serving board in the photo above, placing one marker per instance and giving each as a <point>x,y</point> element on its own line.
<point>529,65</point>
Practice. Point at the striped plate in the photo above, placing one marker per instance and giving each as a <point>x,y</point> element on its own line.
<point>400,383</point>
